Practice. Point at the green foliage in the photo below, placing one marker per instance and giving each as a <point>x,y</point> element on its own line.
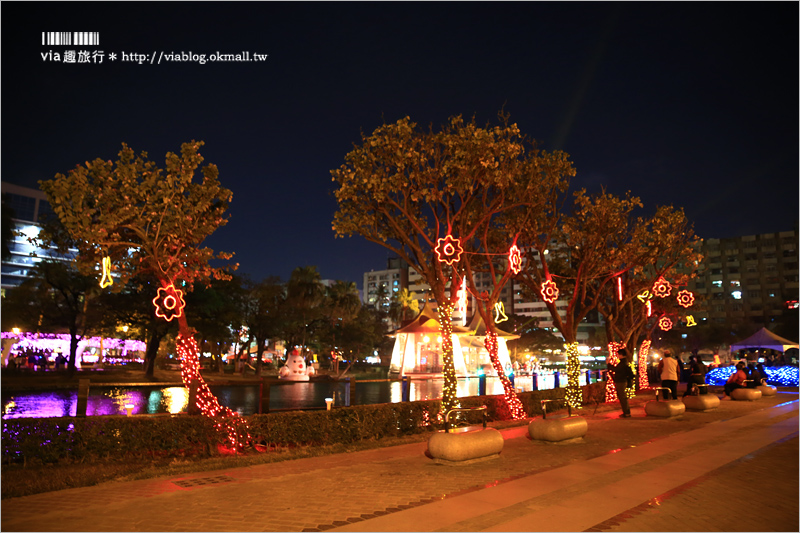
<point>147,219</point>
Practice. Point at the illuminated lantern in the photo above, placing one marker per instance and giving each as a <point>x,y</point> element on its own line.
<point>449,250</point>
<point>169,303</point>
<point>515,259</point>
<point>685,298</point>
<point>500,312</point>
<point>549,291</point>
<point>619,288</point>
<point>646,295</point>
<point>662,288</point>
<point>690,321</point>
<point>106,280</point>
<point>665,323</point>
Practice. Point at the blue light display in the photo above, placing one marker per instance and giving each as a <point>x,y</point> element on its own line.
<point>784,376</point>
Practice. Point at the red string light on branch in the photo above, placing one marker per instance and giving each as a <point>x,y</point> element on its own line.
<point>685,299</point>
<point>662,288</point>
<point>619,288</point>
<point>515,259</point>
<point>549,291</point>
<point>449,250</point>
<point>649,308</point>
<point>665,323</point>
<point>169,302</point>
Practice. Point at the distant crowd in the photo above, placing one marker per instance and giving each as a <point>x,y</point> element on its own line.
<point>33,359</point>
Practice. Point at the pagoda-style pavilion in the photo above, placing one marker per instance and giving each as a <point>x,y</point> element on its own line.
<point>476,356</point>
<point>418,347</point>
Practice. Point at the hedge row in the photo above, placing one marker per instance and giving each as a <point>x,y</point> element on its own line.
<point>54,439</point>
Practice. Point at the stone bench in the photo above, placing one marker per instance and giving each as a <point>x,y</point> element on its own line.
<point>767,390</point>
<point>703,402</point>
<point>746,394</point>
<point>667,408</point>
<point>562,430</point>
<point>466,444</point>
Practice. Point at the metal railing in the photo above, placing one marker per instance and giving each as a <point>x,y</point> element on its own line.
<point>463,409</point>
<point>544,408</point>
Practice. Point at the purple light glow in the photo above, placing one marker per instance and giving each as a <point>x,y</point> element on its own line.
<point>55,342</point>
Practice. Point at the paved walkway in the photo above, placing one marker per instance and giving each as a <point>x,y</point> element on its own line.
<point>731,469</point>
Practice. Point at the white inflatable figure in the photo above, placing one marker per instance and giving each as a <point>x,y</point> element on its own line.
<point>295,369</point>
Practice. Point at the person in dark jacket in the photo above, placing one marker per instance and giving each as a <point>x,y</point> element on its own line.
<point>623,378</point>
<point>696,374</point>
<point>753,375</point>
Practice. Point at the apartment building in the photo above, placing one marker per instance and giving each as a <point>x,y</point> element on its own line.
<point>29,207</point>
<point>750,278</point>
<point>392,280</point>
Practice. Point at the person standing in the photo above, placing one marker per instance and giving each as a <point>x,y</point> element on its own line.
<point>623,378</point>
<point>696,374</point>
<point>668,370</point>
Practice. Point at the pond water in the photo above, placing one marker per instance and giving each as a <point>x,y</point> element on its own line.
<point>244,399</point>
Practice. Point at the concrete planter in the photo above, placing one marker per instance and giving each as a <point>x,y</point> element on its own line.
<point>745,394</point>
<point>465,445</point>
<point>567,429</point>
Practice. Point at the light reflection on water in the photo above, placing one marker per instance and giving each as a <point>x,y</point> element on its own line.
<point>244,400</point>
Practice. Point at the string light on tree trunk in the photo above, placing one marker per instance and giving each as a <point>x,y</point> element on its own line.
<point>574,396</point>
<point>512,401</point>
<point>225,420</point>
<point>644,350</point>
<point>613,359</point>
<point>450,388</point>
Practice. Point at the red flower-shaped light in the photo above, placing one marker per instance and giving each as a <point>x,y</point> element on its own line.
<point>169,303</point>
<point>449,250</point>
<point>665,323</point>
<point>549,291</point>
<point>662,288</point>
<point>685,298</point>
<point>515,259</point>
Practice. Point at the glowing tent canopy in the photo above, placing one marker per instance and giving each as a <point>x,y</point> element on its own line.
<point>764,338</point>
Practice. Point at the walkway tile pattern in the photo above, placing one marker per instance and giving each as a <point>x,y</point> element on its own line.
<point>400,489</point>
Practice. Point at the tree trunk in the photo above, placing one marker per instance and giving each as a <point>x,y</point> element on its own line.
<point>73,350</point>
<point>260,352</point>
<point>151,352</point>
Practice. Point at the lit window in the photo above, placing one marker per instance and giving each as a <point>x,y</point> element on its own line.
<point>735,283</point>
<point>717,283</point>
<point>737,295</point>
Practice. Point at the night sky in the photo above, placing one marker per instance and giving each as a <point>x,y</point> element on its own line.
<point>689,104</point>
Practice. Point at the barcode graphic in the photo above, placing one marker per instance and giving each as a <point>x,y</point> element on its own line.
<point>70,38</point>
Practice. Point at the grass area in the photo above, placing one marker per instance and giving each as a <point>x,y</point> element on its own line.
<point>35,478</point>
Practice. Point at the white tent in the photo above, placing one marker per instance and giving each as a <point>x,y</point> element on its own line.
<point>764,338</point>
